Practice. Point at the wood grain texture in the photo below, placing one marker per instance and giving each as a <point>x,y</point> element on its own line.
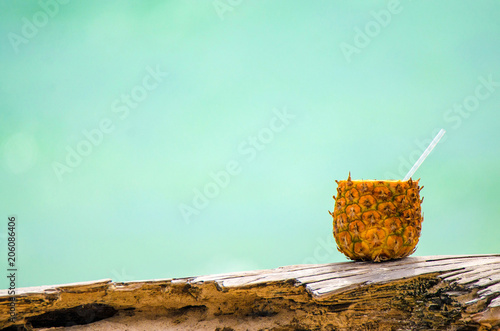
<point>415,293</point>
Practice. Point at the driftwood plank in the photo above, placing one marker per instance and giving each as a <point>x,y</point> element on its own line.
<point>478,274</point>
<point>416,293</point>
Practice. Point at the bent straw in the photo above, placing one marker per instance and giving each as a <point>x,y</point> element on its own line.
<point>425,154</point>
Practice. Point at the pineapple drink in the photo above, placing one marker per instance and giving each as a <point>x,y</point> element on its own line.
<point>376,220</point>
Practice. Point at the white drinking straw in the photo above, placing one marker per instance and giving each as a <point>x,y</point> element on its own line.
<point>425,154</point>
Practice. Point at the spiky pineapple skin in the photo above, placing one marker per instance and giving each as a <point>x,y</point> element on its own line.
<point>377,220</point>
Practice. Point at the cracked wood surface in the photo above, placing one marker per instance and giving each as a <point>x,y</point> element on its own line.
<point>436,292</point>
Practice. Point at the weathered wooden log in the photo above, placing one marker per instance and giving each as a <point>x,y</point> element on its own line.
<point>416,293</point>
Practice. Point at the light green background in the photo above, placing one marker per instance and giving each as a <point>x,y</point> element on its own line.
<point>116,215</point>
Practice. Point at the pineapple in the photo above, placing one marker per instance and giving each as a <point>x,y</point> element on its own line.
<point>377,220</point>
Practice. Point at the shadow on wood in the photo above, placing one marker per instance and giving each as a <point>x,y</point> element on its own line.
<point>416,293</point>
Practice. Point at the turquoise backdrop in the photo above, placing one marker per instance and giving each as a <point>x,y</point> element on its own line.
<point>156,139</point>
